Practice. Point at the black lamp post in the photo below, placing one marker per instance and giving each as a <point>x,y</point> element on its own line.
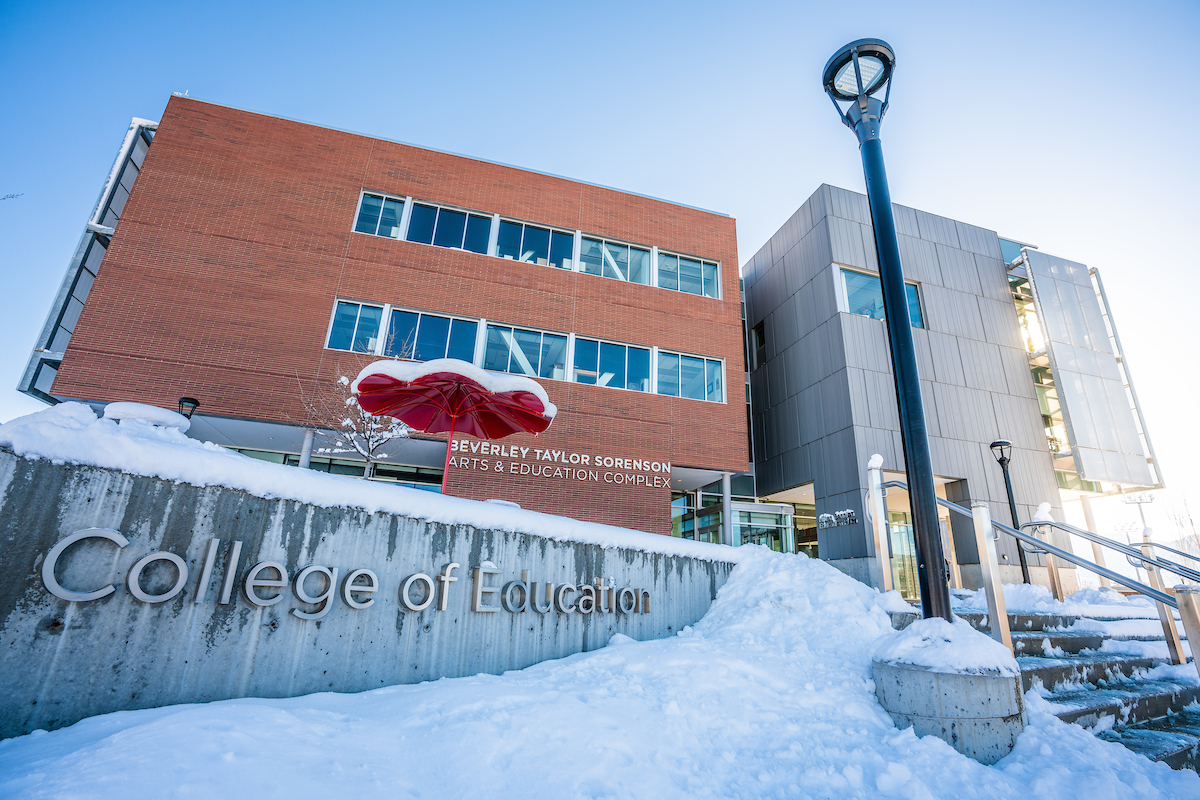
<point>1001,448</point>
<point>188,406</point>
<point>856,75</point>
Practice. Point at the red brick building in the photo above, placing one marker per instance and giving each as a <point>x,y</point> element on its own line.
<point>245,260</point>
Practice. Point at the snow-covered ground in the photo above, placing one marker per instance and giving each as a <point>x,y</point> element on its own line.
<point>768,696</point>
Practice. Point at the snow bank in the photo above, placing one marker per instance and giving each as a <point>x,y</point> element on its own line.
<point>152,414</point>
<point>71,433</point>
<point>947,647</point>
<point>769,696</point>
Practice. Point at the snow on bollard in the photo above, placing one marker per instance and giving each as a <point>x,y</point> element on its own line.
<point>953,682</point>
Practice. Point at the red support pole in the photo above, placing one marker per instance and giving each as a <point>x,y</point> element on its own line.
<point>446,468</point>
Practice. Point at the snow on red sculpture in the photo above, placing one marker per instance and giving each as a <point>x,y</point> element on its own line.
<point>448,395</point>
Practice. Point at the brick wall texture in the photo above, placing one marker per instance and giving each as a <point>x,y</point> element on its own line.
<point>237,239</point>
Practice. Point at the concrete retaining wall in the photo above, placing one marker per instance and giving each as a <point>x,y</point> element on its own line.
<point>64,660</point>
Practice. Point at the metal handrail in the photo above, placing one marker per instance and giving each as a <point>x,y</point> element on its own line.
<point>1135,556</point>
<point>1158,546</point>
<point>1065,555</point>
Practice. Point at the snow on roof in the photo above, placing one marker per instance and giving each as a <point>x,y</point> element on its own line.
<point>71,433</point>
<point>494,382</point>
<point>152,414</point>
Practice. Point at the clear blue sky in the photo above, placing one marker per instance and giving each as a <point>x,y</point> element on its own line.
<point>1054,123</point>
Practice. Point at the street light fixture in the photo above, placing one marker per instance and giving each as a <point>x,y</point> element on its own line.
<point>856,75</point>
<point>188,406</point>
<point>1001,449</point>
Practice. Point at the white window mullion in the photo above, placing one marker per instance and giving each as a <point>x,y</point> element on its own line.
<point>384,323</point>
<point>494,235</point>
<point>570,363</point>
<point>577,251</point>
<point>654,266</point>
<point>405,216</point>
<point>654,370</point>
<point>480,343</point>
<point>839,289</point>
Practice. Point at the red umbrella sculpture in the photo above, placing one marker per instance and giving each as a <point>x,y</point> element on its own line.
<point>448,395</point>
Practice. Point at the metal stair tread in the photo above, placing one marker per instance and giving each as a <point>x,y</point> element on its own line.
<point>1174,739</point>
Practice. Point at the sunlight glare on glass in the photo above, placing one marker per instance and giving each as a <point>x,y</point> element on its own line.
<point>872,71</point>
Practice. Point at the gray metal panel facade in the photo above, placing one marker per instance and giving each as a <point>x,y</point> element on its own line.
<point>1096,410</point>
<point>824,400</point>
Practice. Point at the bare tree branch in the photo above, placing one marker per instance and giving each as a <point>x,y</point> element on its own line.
<point>334,414</point>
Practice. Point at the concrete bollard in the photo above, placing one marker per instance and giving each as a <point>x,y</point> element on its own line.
<point>978,714</point>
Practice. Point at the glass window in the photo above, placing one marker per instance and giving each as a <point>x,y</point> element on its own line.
<point>424,337</point>
<point>668,374</point>
<point>690,279</point>
<point>462,340</point>
<point>639,266</point>
<point>864,296</point>
<point>691,377</point>
<point>713,383</point>
<point>389,221</point>
<point>638,370</point>
<point>355,327</point>
<point>712,284</point>
<point>586,356</point>
<point>495,355</point>
<point>367,333</point>
<point>668,271</point>
<point>562,249</point>
<point>402,335</point>
<point>612,365</point>
<point>450,228</point>
<point>914,306</point>
<point>420,224</point>
<point>368,214</point>
<point>432,334</point>
<point>479,230</point>
<point>508,244</point>
<point>554,357</point>
<point>526,354</point>
<point>616,261</point>
<point>535,247</point>
<point>591,256</point>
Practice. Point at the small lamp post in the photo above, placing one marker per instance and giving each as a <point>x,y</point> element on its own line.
<point>188,406</point>
<point>1001,449</point>
<point>857,75</point>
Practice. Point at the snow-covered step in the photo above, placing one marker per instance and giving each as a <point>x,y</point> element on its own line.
<point>1126,703</point>
<point>1054,643</point>
<point>1095,669</point>
<point>1019,621</point>
<point>1174,739</point>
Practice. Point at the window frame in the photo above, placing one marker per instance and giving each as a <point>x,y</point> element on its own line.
<point>677,255</point>
<point>568,348</point>
<point>553,229</point>
<point>843,300</point>
<point>706,359</point>
<point>653,351</point>
<point>385,319</point>
<point>387,330</point>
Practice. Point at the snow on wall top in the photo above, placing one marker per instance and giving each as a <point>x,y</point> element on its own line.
<point>71,433</point>
<point>947,647</point>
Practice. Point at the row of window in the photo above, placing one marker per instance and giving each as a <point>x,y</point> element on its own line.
<point>379,215</point>
<point>418,336</point>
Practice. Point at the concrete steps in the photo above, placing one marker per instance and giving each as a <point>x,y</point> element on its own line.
<point>1062,658</point>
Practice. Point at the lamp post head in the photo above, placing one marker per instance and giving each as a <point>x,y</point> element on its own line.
<point>188,406</point>
<point>856,75</point>
<point>1000,449</point>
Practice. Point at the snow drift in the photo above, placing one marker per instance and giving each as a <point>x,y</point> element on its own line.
<point>769,695</point>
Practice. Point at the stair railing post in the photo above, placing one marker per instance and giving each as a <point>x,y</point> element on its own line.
<point>1165,614</point>
<point>1052,566</point>
<point>952,557</point>
<point>989,567</point>
<point>879,523</point>
<point>1189,611</point>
